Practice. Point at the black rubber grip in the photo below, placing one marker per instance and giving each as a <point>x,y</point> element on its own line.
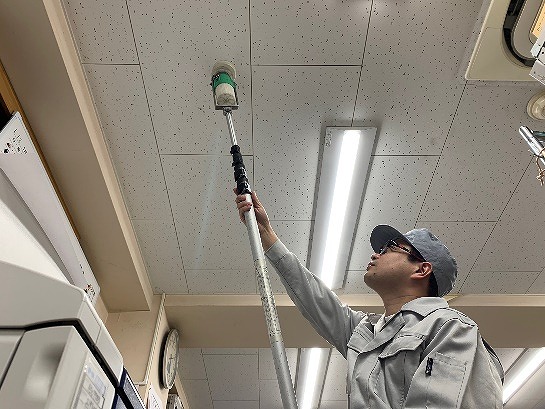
<point>241,177</point>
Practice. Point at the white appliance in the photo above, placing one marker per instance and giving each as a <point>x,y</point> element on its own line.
<point>20,162</point>
<point>55,352</point>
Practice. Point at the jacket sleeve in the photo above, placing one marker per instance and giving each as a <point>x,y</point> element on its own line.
<point>318,304</point>
<point>452,373</point>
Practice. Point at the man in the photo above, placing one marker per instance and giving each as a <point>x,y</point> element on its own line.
<point>418,354</point>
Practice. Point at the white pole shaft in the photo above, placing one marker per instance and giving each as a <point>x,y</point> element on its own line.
<point>280,359</point>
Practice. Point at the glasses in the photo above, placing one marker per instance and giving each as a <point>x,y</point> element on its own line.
<point>393,245</point>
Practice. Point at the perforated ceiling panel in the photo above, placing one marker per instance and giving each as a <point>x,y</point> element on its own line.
<point>292,107</point>
<point>484,157</point>
<point>95,25</point>
<point>232,378</point>
<point>120,99</point>
<point>307,32</point>
<point>178,42</point>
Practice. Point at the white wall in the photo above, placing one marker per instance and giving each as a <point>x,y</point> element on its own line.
<point>22,240</point>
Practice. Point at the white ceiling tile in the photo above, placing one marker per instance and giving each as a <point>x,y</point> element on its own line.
<point>538,286</point>
<point>266,363</point>
<point>161,254</point>
<point>120,100</point>
<point>221,281</point>
<point>229,351</point>
<point>335,380</point>
<point>411,95</point>
<point>295,235</point>
<point>332,404</point>
<point>395,190</point>
<point>292,107</point>
<point>201,193</point>
<point>307,32</point>
<point>178,43</point>
<point>354,284</point>
<point>232,377</point>
<point>484,156</point>
<point>248,404</point>
<point>198,394</point>
<point>191,364</point>
<point>498,282</point>
<point>464,240</point>
<point>516,243</point>
<point>269,395</point>
<point>425,37</point>
<point>508,356</point>
<point>102,30</point>
<point>412,113</point>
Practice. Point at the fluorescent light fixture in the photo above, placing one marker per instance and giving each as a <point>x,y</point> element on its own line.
<point>521,371</point>
<point>345,165</point>
<point>312,368</point>
<point>343,182</point>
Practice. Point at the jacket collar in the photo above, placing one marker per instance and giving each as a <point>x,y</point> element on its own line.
<point>425,305</point>
<point>386,334</point>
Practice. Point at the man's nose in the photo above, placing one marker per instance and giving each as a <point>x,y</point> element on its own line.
<point>374,256</point>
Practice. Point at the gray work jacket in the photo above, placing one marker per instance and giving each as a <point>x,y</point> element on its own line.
<point>427,356</point>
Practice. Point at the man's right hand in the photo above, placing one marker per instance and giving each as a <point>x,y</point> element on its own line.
<point>268,236</point>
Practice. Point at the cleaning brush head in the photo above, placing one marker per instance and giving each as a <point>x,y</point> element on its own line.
<point>224,86</point>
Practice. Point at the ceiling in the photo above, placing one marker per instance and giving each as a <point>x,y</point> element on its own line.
<point>448,155</point>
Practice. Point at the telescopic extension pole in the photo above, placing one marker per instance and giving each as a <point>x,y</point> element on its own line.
<point>226,99</point>
<point>275,335</point>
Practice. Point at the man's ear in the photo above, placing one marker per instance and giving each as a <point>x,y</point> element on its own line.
<point>424,271</point>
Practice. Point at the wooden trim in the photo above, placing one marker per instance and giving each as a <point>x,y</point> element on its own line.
<point>11,102</point>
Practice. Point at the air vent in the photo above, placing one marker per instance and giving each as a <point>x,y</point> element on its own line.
<point>502,49</point>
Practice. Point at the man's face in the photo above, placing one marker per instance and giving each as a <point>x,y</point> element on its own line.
<point>391,269</point>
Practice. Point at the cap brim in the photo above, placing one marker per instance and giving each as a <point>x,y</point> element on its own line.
<point>381,234</point>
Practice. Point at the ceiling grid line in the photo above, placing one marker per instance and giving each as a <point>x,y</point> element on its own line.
<point>157,144</point>
<point>535,279</point>
<point>402,156</point>
<point>440,155</point>
<point>495,224</point>
<point>361,62</point>
<point>115,64</point>
<point>207,377</point>
<point>306,65</point>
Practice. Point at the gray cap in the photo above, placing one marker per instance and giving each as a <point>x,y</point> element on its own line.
<point>428,246</point>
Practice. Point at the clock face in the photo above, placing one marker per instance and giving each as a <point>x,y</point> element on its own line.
<point>170,359</point>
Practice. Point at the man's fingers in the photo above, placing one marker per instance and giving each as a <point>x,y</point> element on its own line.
<point>244,204</point>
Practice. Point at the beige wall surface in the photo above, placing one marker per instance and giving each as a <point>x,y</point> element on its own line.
<point>136,337</point>
<point>80,167</point>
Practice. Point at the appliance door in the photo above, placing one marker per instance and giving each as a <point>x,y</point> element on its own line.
<point>9,339</point>
<point>53,368</point>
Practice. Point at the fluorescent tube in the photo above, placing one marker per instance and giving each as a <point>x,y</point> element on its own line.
<point>343,183</point>
<point>527,369</point>
<point>343,175</point>
<point>312,368</point>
